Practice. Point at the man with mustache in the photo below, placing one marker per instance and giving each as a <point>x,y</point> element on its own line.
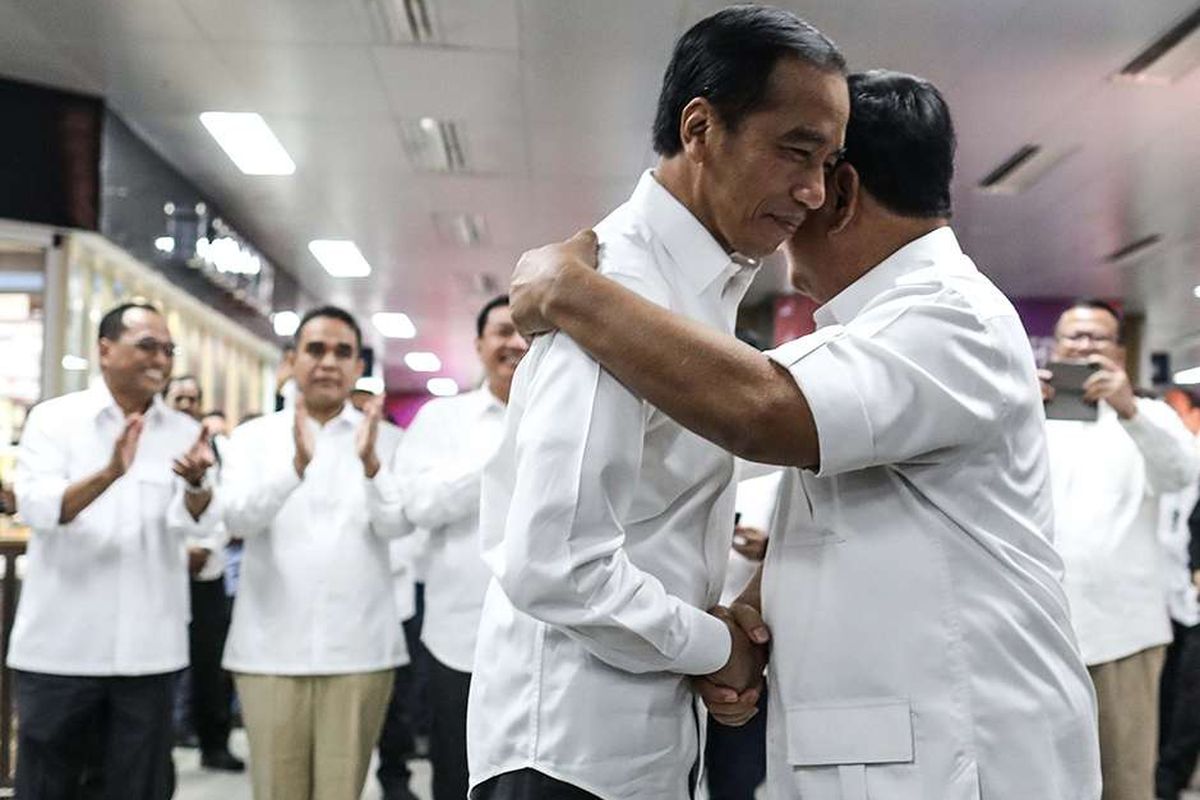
<point>607,526</point>
<point>922,646</point>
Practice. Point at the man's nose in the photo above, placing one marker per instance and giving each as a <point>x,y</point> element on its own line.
<point>809,191</point>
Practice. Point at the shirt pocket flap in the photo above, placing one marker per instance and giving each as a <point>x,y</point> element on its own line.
<point>866,731</point>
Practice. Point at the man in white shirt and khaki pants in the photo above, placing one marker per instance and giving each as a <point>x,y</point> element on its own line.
<point>316,636</point>
<point>101,628</point>
<point>606,524</point>
<point>921,641</point>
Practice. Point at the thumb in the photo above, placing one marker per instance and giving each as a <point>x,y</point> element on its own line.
<point>750,621</point>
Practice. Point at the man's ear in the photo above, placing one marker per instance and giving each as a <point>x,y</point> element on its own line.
<point>696,128</point>
<point>846,189</point>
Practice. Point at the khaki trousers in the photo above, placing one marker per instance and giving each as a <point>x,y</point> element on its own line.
<point>311,737</point>
<point>1127,694</point>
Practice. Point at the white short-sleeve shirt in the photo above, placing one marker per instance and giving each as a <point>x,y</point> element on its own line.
<point>922,643</point>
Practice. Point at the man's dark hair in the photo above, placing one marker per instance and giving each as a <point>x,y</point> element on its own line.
<point>728,59</point>
<point>1096,304</point>
<point>112,324</point>
<point>181,379</point>
<point>900,140</point>
<point>214,413</point>
<point>482,318</point>
<point>329,312</point>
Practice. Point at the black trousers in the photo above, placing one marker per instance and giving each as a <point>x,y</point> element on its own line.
<point>396,743</point>
<point>1179,718</point>
<point>118,727</point>
<point>735,759</point>
<point>212,687</point>
<point>448,689</point>
<point>528,784</point>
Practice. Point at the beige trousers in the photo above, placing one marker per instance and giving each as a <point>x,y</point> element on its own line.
<point>311,737</point>
<point>1127,693</point>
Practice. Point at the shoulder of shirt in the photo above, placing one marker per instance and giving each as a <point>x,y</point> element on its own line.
<point>262,426</point>
<point>627,255</point>
<point>950,299</point>
<point>449,406</point>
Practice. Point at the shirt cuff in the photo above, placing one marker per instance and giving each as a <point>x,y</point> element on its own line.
<point>707,647</point>
<point>844,436</point>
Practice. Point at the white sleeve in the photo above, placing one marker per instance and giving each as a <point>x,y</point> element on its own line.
<point>437,490</point>
<point>1169,450</point>
<point>41,476</point>
<point>578,452</point>
<point>255,483</point>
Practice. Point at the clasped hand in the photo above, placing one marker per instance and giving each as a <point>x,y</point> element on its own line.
<point>731,693</point>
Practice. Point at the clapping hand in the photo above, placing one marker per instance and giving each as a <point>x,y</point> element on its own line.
<point>195,463</point>
<point>368,433</point>
<point>303,438</point>
<point>125,449</point>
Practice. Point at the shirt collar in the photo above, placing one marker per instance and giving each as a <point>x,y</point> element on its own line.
<point>938,247</point>
<point>100,400</point>
<point>698,256</point>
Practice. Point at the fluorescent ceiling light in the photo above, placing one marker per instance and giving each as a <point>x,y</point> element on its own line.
<point>433,145</point>
<point>442,387</point>
<point>423,362</point>
<point>74,363</point>
<point>249,142</point>
<point>285,323</point>
<point>1185,377</point>
<point>1196,292</point>
<point>1133,249</point>
<point>1168,58</point>
<point>165,244</point>
<point>394,325</point>
<point>370,383</point>
<point>1021,170</point>
<point>341,258</point>
<point>459,228</point>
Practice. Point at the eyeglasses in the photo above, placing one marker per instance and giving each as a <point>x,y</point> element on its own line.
<point>318,350</point>
<point>1081,337</point>
<point>150,346</point>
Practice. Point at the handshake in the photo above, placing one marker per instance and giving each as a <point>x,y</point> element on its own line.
<point>731,693</point>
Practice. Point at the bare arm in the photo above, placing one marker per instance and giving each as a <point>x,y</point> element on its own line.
<point>707,381</point>
<point>83,493</point>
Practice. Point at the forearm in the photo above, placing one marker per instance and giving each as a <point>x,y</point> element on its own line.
<point>708,381</point>
<point>83,493</point>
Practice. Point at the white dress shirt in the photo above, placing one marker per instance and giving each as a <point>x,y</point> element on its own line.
<point>400,550</point>
<point>315,596</point>
<point>439,466</point>
<point>1108,477</point>
<point>1175,537</point>
<point>921,641</point>
<point>107,593</point>
<point>607,526</point>
<point>214,566</point>
<point>755,506</point>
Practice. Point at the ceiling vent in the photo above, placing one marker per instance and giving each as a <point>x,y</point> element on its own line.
<point>464,230</point>
<point>1134,250</point>
<point>1168,58</point>
<point>1024,168</point>
<point>433,145</point>
<point>402,21</point>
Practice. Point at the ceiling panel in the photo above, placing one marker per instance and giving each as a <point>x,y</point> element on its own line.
<point>487,24</point>
<point>316,80</point>
<point>460,85</point>
<point>282,21</point>
<point>112,22</point>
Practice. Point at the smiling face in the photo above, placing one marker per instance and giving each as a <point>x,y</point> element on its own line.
<point>501,347</point>
<point>326,363</point>
<point>137,364</point>
<point>760,180</point>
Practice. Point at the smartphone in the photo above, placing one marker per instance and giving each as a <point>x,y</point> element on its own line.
<point>1067,378</point>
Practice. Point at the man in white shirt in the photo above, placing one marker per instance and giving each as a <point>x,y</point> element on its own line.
<point>101,628</point>
<point>921,644</point>
<point>1179,701</point>
<point>315,635</point>
<point>607,525</point>
<point>440,464</point>
<point>205,690</point>
<point>1107,477</point>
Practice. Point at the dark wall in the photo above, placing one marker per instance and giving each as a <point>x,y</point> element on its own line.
<point>49,156</point>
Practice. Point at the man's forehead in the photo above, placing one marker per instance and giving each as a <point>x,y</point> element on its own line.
<point>1087,317</point>
<point>139,321</point>
<point>326,329</point>
<point>812,105</point>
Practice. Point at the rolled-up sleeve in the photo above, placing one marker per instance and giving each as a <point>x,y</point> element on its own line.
<point>901,383</point>
<point>578,452</point>
<point>41,477</point>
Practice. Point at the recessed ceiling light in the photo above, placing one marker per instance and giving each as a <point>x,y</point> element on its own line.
<point>1021,170</point>
<point>423,362</point>
<point>1133,249</point>
<point>394,325</point>
<point>442,387</point>
<point>74,363</point>
<point>1196,292</point>
<point>1168,58</point>
<point>249,142</point>
<point>460,228</point>
<point>1186,377</point>
<point>285,323</point>
<point>341,258</point>
<point>165,244</point>
<point>433,145</point>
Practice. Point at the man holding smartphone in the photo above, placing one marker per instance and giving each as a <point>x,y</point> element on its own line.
<point>1107,478</point>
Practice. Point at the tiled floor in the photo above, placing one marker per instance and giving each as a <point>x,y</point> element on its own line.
<point>199,784</point>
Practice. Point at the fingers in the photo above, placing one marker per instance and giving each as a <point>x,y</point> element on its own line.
<point>585,246</point>
<point>750,620</point>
